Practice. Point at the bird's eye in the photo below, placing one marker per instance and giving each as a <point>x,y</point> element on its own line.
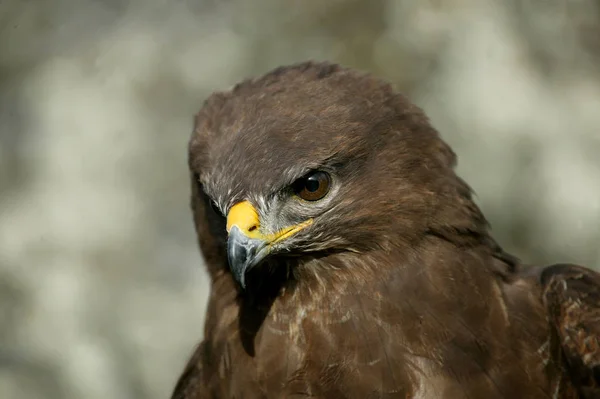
<point>215,208</point>
<point>313,186</point>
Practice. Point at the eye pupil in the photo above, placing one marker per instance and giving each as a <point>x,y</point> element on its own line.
<point>215,207</point>
<point>313,186</point>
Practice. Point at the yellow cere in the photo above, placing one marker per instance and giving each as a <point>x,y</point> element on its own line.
<point>244,216</point>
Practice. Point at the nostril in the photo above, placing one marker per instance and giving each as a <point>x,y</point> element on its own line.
<point>252,228</point>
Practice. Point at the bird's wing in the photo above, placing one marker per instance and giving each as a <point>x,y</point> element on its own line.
<point>572,296</point>
<point>190,384</point>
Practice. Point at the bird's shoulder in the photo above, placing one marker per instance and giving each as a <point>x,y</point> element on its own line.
<point>571,294</point>
<point>190,384</point>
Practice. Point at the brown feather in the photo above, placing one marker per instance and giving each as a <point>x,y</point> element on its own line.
<point>572,296</point>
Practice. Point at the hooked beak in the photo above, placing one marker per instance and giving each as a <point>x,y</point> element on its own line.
<point>247,246</point>
<point>243,253</point>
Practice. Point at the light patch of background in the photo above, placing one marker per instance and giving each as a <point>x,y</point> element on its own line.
<point>102,289</point>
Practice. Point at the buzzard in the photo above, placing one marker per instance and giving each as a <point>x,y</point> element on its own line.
<point>348,260</point>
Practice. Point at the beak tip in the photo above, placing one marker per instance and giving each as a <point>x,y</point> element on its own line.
<point>239,255</point>
<point>240,276</point>
<point>243,253</point>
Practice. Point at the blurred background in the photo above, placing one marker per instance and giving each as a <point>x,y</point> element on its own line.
<point>102,288</point>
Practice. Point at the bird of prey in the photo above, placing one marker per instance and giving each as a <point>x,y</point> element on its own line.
<point>348,260</point>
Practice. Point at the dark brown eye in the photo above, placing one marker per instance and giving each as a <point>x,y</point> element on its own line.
<point>313,186</point>
<point>215,208</point>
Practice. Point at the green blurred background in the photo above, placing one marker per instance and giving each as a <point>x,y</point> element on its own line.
<point>102,289</point>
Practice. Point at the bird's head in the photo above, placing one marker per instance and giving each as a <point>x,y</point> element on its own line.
<point>312,159</point>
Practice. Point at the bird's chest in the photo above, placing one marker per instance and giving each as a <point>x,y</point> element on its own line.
<point>330,351</point>
<point>361,349</point>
